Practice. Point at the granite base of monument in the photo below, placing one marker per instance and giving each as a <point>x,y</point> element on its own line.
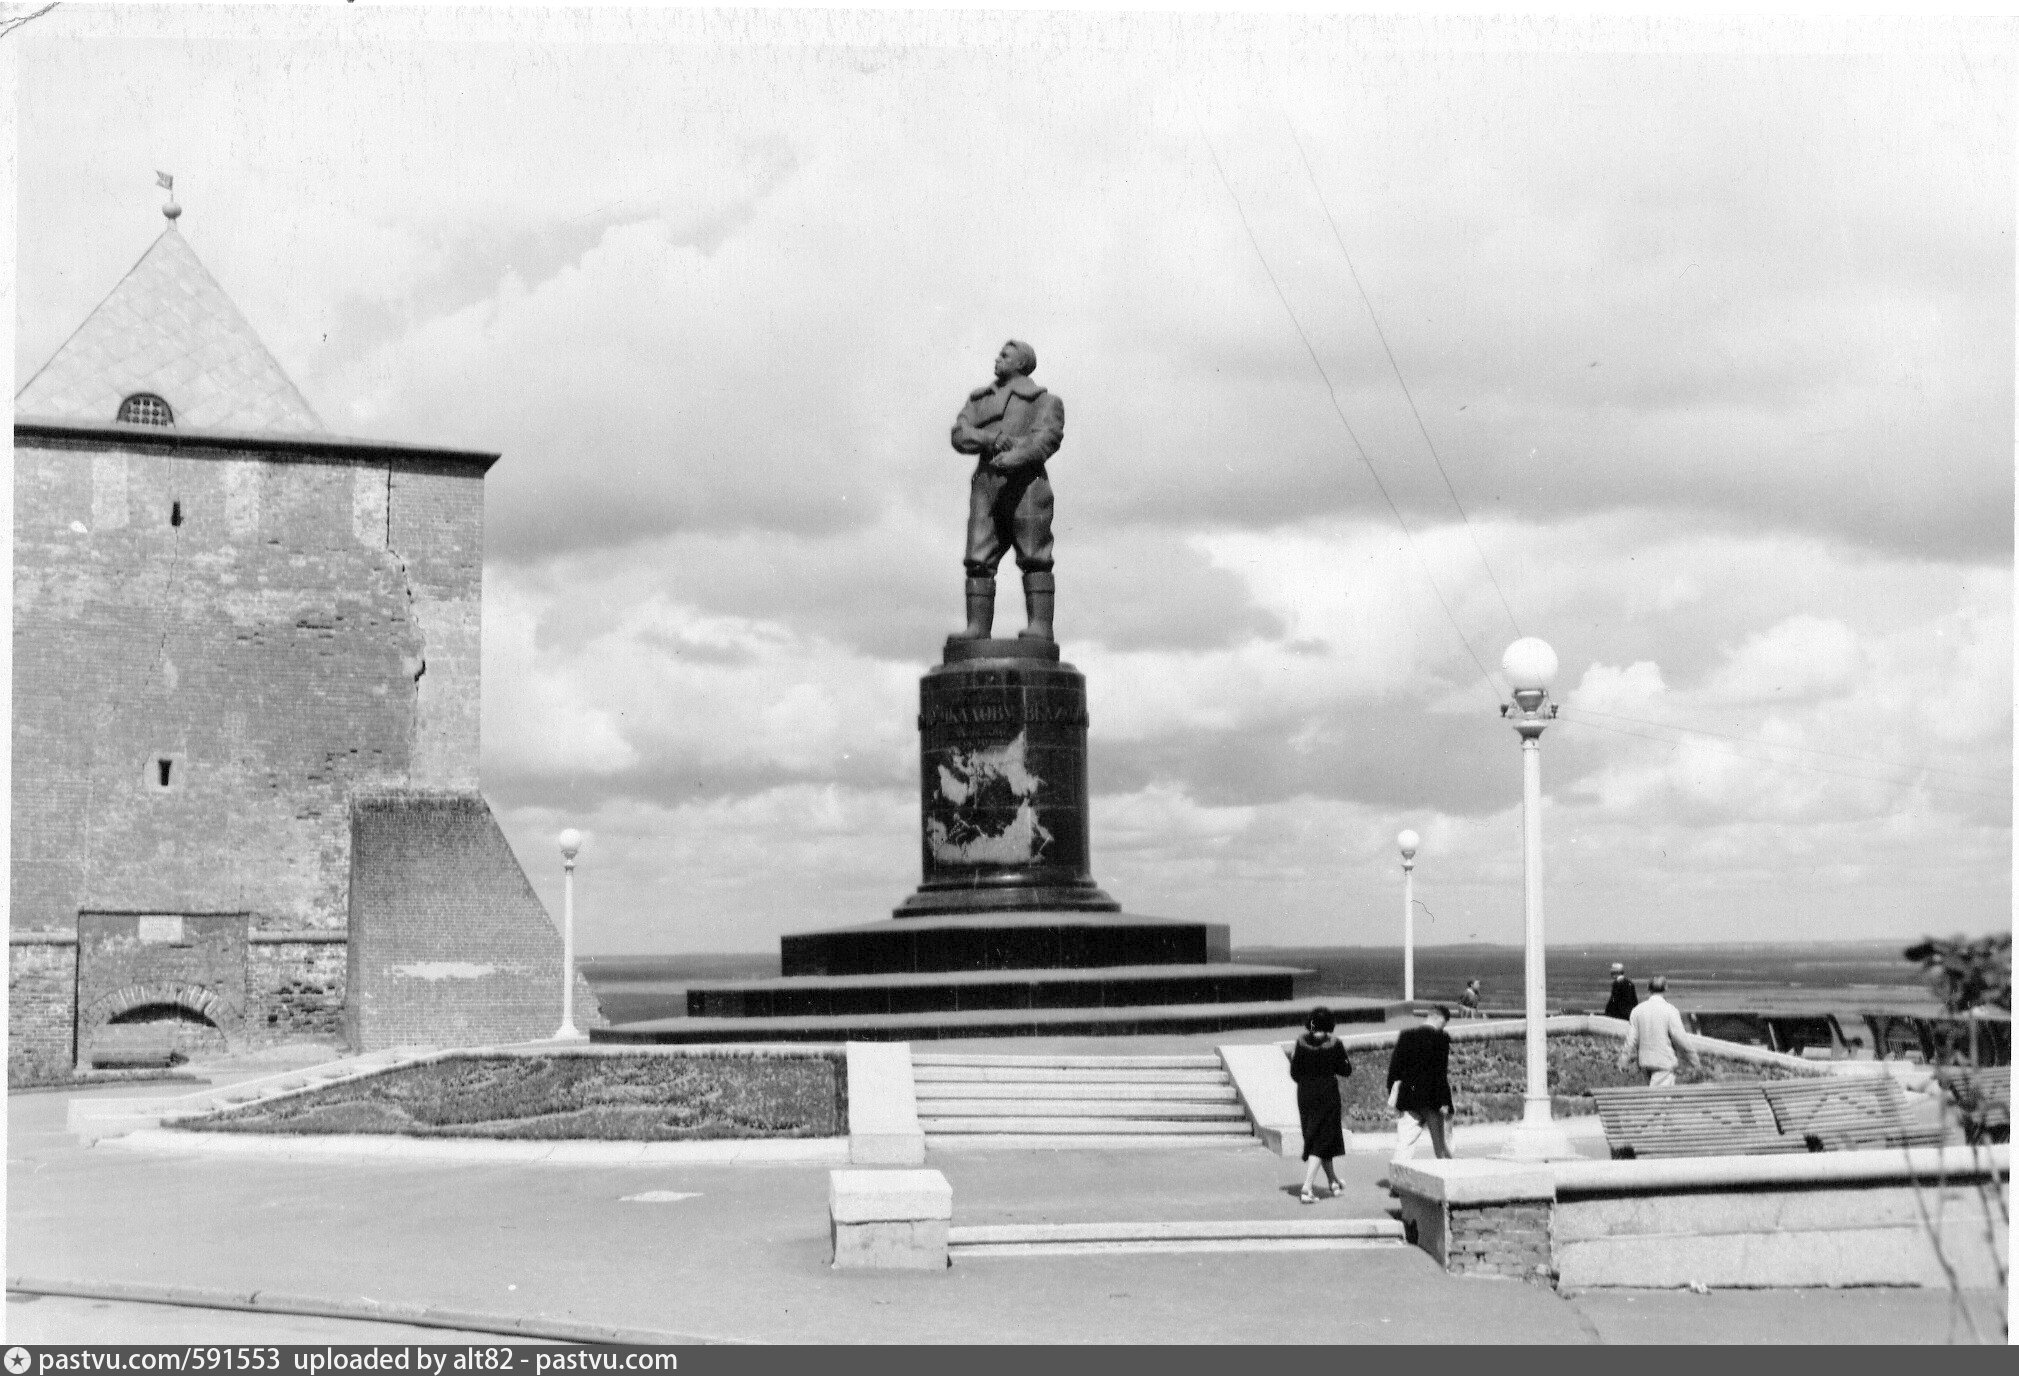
<point>1002,731</point>
<point>1037,940</point>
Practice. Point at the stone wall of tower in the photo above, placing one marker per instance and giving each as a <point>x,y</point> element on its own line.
<point>214,647</point>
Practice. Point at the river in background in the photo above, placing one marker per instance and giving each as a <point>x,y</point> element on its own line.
<point>1841,977</point>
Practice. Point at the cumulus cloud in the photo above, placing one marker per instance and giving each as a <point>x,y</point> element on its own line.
<point>1803,656</point>
<point>1713,343</point>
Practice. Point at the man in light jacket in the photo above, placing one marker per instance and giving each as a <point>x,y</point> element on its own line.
<point>1655,1037</point>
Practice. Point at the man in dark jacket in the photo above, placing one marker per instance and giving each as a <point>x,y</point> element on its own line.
<point>1419,1085</point>
<point>1621,1003</point>
<point>1011,427</point>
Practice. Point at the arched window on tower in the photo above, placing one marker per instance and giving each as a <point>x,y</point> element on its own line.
<point>145,408</point>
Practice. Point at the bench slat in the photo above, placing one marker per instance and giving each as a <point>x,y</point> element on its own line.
<point>1691,1120</point>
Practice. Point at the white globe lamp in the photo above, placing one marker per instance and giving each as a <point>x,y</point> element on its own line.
<point>1530,666</point>
<point>570,842</point>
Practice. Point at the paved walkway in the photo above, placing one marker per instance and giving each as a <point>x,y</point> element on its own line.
<point>743,1258</point>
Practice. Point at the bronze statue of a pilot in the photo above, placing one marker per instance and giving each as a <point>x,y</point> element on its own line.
<point>1011,426</point>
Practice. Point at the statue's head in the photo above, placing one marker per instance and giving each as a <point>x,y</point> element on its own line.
<point>1016,359</point>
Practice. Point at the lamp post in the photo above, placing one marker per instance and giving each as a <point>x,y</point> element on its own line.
<point>1407,843</point>
<point>571,843</point>
<point>1530,666</point>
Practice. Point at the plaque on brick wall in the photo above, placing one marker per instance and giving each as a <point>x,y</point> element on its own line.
<point>160,929</point>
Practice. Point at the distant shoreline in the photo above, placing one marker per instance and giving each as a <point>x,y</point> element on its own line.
<point>1894,946</point>
<point>1846,978</point>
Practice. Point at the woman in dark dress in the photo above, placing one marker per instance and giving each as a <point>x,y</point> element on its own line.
<point>1317,1062</point>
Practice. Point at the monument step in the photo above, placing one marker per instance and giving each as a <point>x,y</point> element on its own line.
<point>1044,940</point>
<point>1009,1061</point>
<point>1275,1234</point>
<point>933,1112</point>
<point>993,1123</point>
<point>1010,1075</point>
<point>970,990</point>
<point>940,1092</point>
<point>1087,1141</point>
<point>1025,1022</point>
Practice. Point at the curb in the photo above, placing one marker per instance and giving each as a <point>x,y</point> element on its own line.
<point>313,1306</point>
<point>85,1086</point>
<point>1382,1141</point>
<point>826,1151</point>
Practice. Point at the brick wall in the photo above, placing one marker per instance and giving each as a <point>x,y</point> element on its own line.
<point>310,626</point>
<point>1506,1239</point>
<point>41,984</point>
<point>280,627</point>
<point>294,991</point>
<point>449,945</point>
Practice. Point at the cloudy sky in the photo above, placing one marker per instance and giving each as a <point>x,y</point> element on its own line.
<point>1711,331</point>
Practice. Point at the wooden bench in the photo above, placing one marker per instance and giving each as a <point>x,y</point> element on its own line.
<point>1983,1098</point>
<point>1848,1113</point>
<point>1692,1120</point>
<point>146,1051</point>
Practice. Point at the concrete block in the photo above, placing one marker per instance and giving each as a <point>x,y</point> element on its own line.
<point>1807,1170</point>
<point>1791,1211</point>
<point>1848,1257</point>
<point>883,1126</point>
<point>1474,1181</point>
<point>1261,1076</point>
<point>889,1220</point>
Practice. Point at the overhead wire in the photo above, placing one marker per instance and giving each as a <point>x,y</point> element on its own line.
<point>1465,519</point>
<point>1340,411</point>
<point>1396,368</point>
<point>1803,749</point>
<point>1571,717</point>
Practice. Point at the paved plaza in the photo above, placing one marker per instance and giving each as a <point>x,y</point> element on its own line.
<point>743,1258</point>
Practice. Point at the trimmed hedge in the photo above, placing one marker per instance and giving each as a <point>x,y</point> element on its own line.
<point>643,1098</point>
<point>1489,1075</point>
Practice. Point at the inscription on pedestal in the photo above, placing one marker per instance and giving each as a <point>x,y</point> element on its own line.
<point>1003,789</point>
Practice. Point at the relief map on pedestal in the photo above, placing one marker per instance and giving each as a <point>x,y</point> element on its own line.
<point>965,820</point>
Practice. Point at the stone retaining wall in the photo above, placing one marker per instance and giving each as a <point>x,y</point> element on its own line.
<point>1507,1239</point>
<point>1926,1216</point>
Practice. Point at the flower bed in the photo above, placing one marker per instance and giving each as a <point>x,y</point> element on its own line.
<point>1489,1074</point>
<point>631,1098</point>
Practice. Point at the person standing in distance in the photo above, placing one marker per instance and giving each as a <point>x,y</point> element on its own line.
<point>1011,427</point>
<point>1622,1001</point>
<point>1654,1036</point>
<point>1317,1063</point>
<point>1419,1086</point>
<point>1469,1000</point>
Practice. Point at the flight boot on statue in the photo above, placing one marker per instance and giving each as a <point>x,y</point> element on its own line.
<point>1038,588</point>
<point>980,610</point>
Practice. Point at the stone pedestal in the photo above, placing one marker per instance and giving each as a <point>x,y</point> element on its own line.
<point>889,1220</point>
<point>1003,783</point>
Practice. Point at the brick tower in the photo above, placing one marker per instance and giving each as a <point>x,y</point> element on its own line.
<point>246,710</point>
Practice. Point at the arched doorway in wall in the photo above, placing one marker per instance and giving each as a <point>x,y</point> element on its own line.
<point>154,980</point>
<point>162,1022</point>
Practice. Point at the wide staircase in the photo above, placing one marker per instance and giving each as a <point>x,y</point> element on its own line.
<point>994,1101</point>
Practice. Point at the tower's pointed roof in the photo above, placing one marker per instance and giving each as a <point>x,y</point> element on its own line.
<point>169,329</point>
